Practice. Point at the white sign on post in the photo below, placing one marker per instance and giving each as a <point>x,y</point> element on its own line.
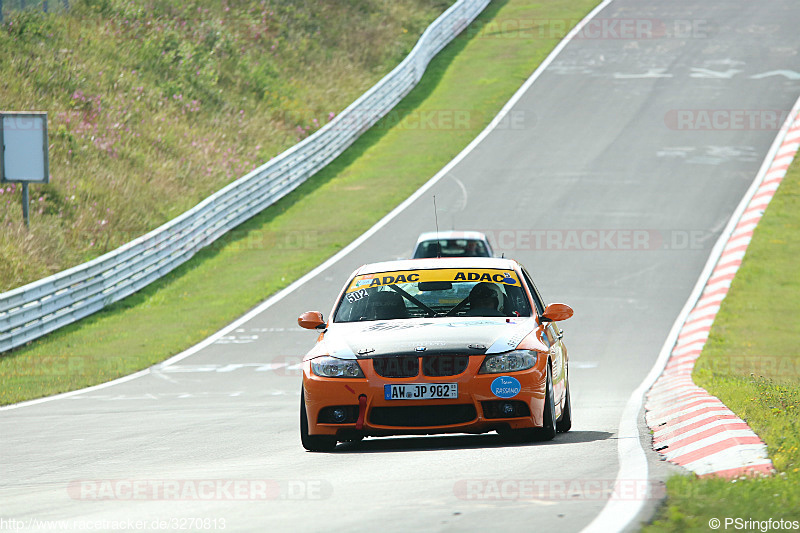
<point>24,154</point>
<point>24,151</point>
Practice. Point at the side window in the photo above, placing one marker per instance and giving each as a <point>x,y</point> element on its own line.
<point>537,299</point>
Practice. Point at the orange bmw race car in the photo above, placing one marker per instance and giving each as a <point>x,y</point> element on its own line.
<point>425,346</point>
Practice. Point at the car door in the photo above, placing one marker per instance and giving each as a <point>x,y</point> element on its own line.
<point>558,359</point>
<point>553,335</point>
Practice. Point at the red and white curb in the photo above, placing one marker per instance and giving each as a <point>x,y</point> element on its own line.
<point>690,427</point>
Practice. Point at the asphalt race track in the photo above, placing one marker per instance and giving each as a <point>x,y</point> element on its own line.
<point>611,180</point>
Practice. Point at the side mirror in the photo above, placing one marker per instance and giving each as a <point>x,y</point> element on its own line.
<point>311,320</point>
<point>556,312</point>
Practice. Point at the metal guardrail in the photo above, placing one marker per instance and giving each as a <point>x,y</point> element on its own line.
<point>41,307</point>
<point>21,5</point>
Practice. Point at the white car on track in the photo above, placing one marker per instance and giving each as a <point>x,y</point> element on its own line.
<point>452,244</point>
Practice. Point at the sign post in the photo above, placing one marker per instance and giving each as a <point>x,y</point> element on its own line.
<point>24,152</point>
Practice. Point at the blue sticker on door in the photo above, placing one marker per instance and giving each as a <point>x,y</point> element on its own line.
<point>506,387</point>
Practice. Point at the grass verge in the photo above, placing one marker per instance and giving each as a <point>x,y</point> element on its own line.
<point>478,72</point>
<point>751,362</point>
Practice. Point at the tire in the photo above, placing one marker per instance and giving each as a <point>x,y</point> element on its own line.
<point>565,422</point>
<point>548,429</point>
<point>313,443</point>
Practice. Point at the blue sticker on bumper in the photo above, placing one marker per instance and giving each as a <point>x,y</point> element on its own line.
<point>506,387</point>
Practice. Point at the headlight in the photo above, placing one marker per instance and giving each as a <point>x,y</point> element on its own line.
<point>331,367</point>
<point>508,362</point>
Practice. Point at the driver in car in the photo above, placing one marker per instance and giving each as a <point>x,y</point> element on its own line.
<point>484,300</point>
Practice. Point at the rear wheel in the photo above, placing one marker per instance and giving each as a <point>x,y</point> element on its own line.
<point>565,422</point>
<point>313,443</point>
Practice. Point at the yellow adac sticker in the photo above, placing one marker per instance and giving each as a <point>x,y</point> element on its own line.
<point>366,281</point>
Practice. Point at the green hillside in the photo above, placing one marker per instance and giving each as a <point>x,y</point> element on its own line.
<point>153,105</point>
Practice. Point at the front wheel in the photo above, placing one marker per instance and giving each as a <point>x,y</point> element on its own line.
<point>548,429</point>
<point>313,443</point>
<point>565,422</point>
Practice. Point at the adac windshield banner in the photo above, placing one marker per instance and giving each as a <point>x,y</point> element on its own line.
<point>473,275</point>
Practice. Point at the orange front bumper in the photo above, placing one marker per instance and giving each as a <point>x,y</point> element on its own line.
<point>466,414</point>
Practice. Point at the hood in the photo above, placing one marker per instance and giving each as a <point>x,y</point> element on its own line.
<point>431,336</point>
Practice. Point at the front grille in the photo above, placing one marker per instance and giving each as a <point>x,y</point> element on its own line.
<point>444,365</point>
<point>422,415</point>
<point>396,367</point>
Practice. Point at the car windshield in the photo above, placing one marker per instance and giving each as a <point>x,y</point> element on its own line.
<point>432,293</point>
<point>451,248</point>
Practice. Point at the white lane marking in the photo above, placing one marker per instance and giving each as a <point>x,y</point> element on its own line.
<point>790,74</point>
<point>233,339</point>
<point>728,62</point>
<point>694,72</point>
<point>70,394</point>
<point>272,330</point>
<point>651,73</point>
<point>617,514</point>
<point>464,194</point>
<point>221,368</point>
<point>157,396</point>
<point>676,151</point>
<point>698,72</point>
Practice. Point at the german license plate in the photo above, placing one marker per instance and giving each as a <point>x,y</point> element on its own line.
<point>421,391</point>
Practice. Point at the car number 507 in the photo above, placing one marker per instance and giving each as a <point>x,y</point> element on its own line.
<point>421,391</point>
